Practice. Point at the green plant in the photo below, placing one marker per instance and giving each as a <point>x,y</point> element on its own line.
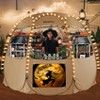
<point>62,51</point>
<point>1,50</point>
<point>1,45</point>
<point>97,35</point>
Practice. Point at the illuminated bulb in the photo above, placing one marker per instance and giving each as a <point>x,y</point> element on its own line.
<point>29,47</point>
<point>70,42</point>
<point>8,37</point>
<point>77,18</point>
<point>73,15</point>
<point>29,44</point>
<point>14,26</point>
<point>97,54</point>
<point>89,32</point>
<point>47,13</point>
<point>80,20</point>
<point>33,21</point>
<point>74,72</point>
<point>36,18</point>
<point>74,76</point>
<point>30,40</point>
<point>62,18</point>
<point>32,17</point>
<point>98,61</point>
<point>39,16</point>
<point>43,14</point>
<point>71,47</point>
<point>87,29</point>
<point>10,33</point>
<point>69,36</point>
<point>94,43</point>
<point>69,16</point>
<point>72,52</point>
<point>28,50</point>
<point>96,51</point>
<point>33,24</point>
<point>7,41</point>
<point>86,26</point>
<point>4,51</point>
<point>93,40</point>
<point>32,30</point>
<point>33,27</point>
<point>2,64</point>
<point>74,68</point>
<point>83,22</point>
<point>55,14</point>
<point>26,71</point>
<point>65,22</point>
<point>27,68</point>
<point>2,68</point>
<point>31,34</point>
<point>95,48</point>
<point>3,57</point>
<point>27,65</point>
<point>98,65</point>
<point>73,60</point>
<point>28,60</point>
<point>12,29</point>
<point>73,64</point>
<point>58,16</point>
<point>65,18</point>
<point>97,58</point>
<point>91,36</point>
<point>28,57</point>
<point>72,56</point>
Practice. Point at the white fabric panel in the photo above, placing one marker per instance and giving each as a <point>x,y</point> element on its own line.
<point>85,72</point>
<point>15,72</point>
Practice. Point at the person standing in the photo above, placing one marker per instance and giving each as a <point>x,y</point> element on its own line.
<point>50,44</point>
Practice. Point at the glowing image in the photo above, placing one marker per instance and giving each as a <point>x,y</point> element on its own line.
<point>48,75</point>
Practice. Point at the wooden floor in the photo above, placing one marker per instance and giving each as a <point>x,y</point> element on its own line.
<point>92,94</point>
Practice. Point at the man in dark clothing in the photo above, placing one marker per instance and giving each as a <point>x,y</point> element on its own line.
<point>50,45</point>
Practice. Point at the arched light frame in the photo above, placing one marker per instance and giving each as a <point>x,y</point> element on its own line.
<point>34,19</point>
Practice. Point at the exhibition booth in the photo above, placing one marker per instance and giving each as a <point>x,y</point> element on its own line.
<point>30,65</point>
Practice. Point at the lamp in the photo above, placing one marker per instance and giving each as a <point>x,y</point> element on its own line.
<point>82,14</point>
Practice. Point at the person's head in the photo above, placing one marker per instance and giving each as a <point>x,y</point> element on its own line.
<point>50,35</point>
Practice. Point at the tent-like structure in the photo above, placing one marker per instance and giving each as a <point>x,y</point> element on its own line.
<point>22,73</point>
